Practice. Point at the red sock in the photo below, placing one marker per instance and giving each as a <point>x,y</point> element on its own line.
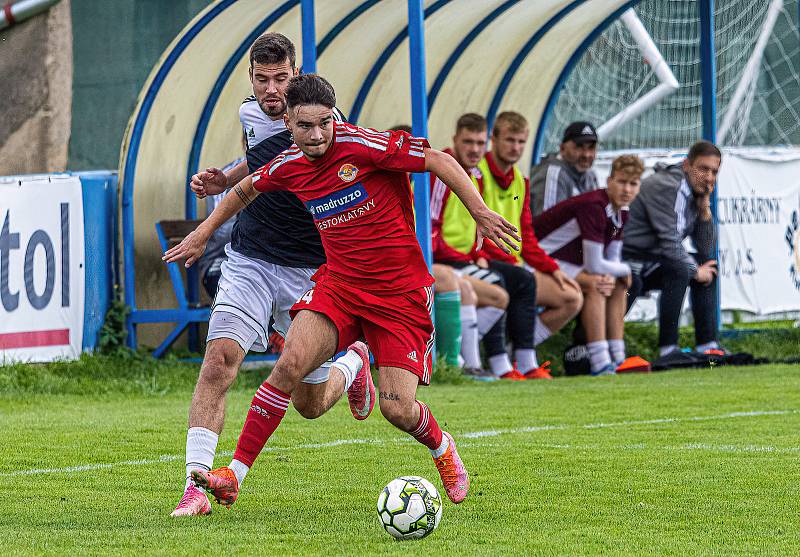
<point>427,430</point>
<point>266,412</point>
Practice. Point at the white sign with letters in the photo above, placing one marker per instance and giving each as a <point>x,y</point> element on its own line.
<point>41,268</point>
<point>758,205</point>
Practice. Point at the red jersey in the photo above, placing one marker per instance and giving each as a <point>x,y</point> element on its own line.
<point>588,216</point>
<point>360,198</point>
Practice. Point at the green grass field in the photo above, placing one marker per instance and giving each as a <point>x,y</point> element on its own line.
<point>680,463</point>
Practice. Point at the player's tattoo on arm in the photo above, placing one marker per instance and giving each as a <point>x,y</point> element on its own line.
<point>389,396</point>
<point>242,196</point>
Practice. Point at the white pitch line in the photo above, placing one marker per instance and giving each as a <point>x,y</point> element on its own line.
<point>468,435</point>
<point>174,457</point>
<point>531,429</point>
<point>671,448</point>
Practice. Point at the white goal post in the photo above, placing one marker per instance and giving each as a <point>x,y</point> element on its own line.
<point>668,83</point>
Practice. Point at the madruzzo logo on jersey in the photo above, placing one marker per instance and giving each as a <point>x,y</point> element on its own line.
<point>337,202</point>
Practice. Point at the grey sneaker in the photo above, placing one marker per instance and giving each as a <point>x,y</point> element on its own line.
<point>479,374</point>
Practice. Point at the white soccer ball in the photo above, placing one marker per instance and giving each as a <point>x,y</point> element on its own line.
<point>409,508</point>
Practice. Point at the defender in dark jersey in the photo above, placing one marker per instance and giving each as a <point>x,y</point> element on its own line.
<point>275,249</point>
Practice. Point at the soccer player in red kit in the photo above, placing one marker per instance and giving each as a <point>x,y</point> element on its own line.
<point>375,283</point>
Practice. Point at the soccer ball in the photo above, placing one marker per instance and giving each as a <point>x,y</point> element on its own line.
<point>410,508</point>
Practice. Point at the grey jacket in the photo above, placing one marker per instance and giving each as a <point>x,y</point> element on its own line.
<point>663,214</point>
<point>553,181</point>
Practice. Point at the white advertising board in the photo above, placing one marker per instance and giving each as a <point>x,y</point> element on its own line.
<point>41,268</point>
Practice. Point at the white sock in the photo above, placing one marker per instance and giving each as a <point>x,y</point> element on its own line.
<point>664,350</point>
<point>598,355</point>
<point>201,445</point>
<point>500,364</point>
<point>713,345</point>
<point>442,448</point>
<point>240,470</point>
<point>617,348</point>
<point>540,332</point>
<point>470,350</point>
<point>349,365</point>
<point>487,317</point>
<point>526,359</point>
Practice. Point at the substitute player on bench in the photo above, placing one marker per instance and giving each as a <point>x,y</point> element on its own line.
<point>353,181</point>
<point>584,235</point>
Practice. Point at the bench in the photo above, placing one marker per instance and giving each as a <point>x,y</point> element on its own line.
<point>187,315</point>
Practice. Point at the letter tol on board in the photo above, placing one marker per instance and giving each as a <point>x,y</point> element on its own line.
<point>40,243</point>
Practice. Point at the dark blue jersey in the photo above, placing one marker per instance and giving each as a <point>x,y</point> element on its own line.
<point>276,227</point>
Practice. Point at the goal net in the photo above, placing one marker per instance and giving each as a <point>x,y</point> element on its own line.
<point>758,83</point>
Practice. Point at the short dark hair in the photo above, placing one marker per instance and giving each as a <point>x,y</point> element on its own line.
<point>310,88</point>
<point>401,128</point>
<point>471,122</point>
<point>703,149</point>
<point>272,48</point>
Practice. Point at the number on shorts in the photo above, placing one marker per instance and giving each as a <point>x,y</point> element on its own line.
<point>307,296</point>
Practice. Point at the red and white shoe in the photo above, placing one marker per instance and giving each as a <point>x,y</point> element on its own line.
<point>452,471</point>
<point>193,503</point>
<point>361,394</point>
<point>513,375</point>
<point>541,372</point>
<point>221,483</point>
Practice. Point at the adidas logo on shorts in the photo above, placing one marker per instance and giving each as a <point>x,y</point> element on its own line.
<point>413,356</point>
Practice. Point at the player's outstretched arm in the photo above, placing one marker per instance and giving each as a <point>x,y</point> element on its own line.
<point>490,224</point>
<point>192,246</point>
<point>213,181</point>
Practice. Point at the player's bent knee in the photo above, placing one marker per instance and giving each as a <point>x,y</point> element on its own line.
<point>500,298</point>
<point>309,408</point>
<point>398,413</point>
<point>678,271</point>
<point>446,279</point>
<point>468,295</point>
<point>589,292</point>
<point>220,366</point>
<point>573,300</point>
<point>289,370</point>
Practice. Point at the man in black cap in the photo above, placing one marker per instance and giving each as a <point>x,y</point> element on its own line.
<point>567,174</point>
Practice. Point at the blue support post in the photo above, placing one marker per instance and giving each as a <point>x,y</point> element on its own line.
<point>99,225</point>
<point>129,271</point>
<point>419,121</point>
<point>708,70</point>
<point>192,276</point>
<point>708,73</point>
<point>309,36</point>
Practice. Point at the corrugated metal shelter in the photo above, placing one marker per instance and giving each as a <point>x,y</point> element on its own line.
<point>477,55</point>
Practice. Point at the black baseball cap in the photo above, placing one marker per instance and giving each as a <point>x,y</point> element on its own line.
<point>580,132</point>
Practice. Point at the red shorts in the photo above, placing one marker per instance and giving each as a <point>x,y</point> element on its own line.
<point>398,327</point>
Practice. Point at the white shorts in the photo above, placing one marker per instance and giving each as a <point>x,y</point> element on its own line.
<point>252,291</point>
